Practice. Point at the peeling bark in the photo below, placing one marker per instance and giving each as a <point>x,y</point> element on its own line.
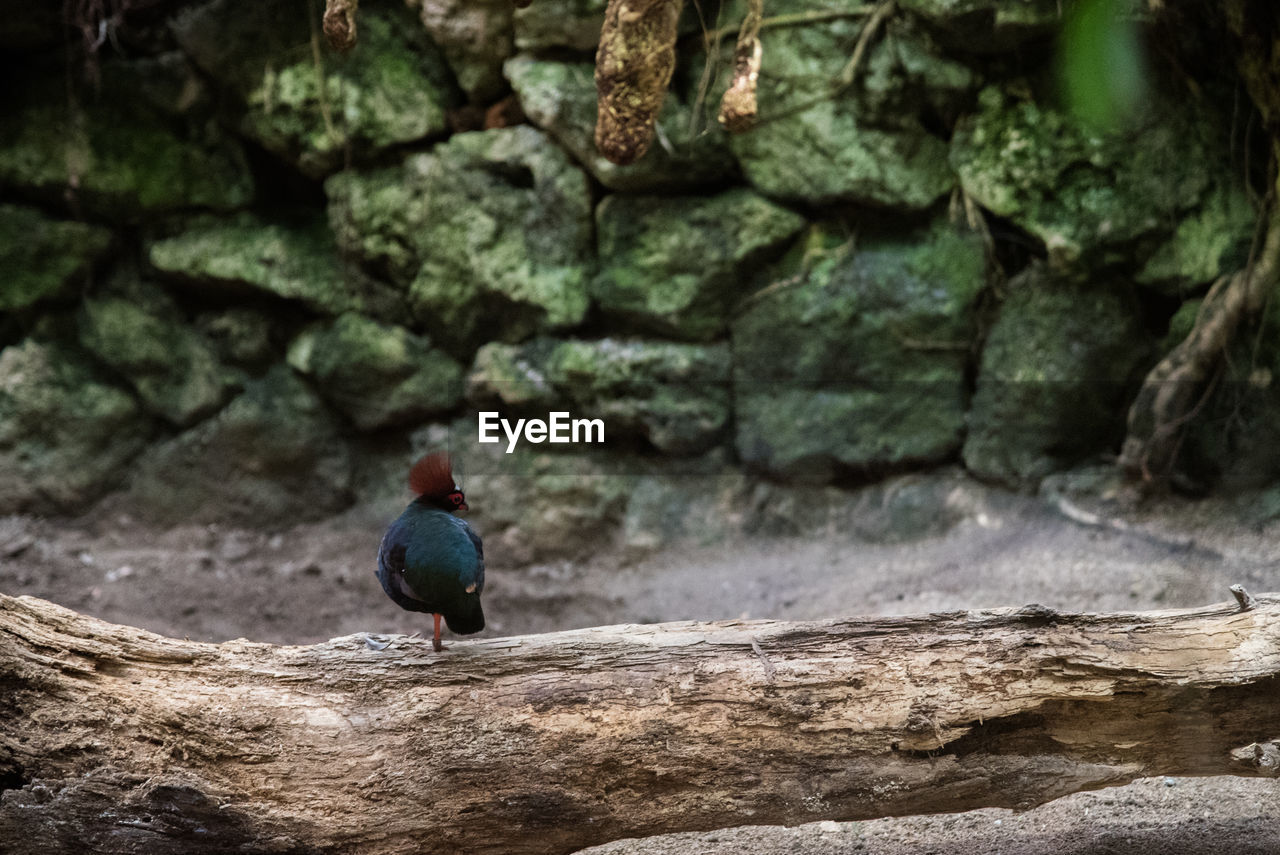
<point>113,739</point>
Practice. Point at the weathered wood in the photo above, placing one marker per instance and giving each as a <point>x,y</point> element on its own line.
<point>113,739</point>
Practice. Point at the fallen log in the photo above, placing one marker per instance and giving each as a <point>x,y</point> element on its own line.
<point>113,739</point>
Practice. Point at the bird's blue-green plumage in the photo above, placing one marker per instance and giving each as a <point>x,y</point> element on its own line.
<point>427,562</point>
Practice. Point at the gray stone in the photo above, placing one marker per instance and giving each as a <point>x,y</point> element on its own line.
<point>42,257</point>
<point>1056,369</point>
<point>273,456</point>
<point>392,89</point>
<point>66,436</point>
<point>676,396</point>
<point>476,36</point>
<point>677,266</point>
<point>855,359</point>
<point>560,97</point>
<point>377,375</point>
<point>490,232</point>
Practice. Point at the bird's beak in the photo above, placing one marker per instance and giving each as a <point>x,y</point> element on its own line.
<point>463,507</point>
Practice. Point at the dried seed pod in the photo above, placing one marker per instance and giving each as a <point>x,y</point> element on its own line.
<point>633,67</point>
<point>340,24</point>
<point>738,106</point>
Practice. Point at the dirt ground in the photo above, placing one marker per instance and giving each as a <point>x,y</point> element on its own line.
<point>315,582</point>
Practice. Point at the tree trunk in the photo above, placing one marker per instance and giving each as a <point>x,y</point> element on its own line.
<point>113,739</point>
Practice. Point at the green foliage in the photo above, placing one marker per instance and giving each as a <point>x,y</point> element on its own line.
<point>1101,65</point>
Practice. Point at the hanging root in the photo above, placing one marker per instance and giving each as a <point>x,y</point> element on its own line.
<point>1173,391</point>
<point>340,24</point>
<point>738,106</point>
<point>633,67</point>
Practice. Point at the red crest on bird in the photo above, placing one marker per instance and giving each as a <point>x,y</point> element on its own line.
<point>432,477</point>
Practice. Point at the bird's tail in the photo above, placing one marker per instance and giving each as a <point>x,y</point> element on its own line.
<point>467,618</point>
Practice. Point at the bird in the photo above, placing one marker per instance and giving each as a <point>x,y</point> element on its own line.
<point>430,560</point>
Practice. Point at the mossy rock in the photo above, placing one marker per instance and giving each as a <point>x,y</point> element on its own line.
<point>1232,443</point>
<point>854,360</point>
<point>240,335</point>
<point>987,26</point>
<point>41,258</point>
<point>559,24</point>
<point>476,37</point>
<point>393,89</point>
<point>490,233</point>
<point>1057,369</point>
<point>563,26</point>
<point>864,142</point>
<point>560,97</point>
<point>675,396</point>
<point>677,266</point>
<point>377,375</point>
<point>118,154</point>
<point>291,258</point>
<point>532,505</point>
<point>172,367</point>
<point>66,435</point>
<point>1096,200</point>
<point>273,456</point>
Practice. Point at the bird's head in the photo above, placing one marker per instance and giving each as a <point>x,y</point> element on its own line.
<point>431,480</point>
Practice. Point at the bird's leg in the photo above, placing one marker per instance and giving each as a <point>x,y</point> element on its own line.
<point>435,640</point>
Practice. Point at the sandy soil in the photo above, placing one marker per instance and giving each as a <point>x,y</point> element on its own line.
<point>315,582</point>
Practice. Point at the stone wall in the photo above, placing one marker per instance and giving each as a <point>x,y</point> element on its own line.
<point>242,275</point>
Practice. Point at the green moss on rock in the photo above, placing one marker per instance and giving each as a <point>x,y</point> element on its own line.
<point>171,367</point>
<point>377,375</point>
<point>292,259</point>
<point>987,25</point>
<point>66,436</point>
<point>864,142</point>
<point>677,266</point>
<point>560,97</point>
<point>117,154</point>
<point>1057,367</point>
<point>490,232</point>
<point>1093,198</point>
<point>394,89</point>
<point>41,257</point>
<point>572,24</point>
<point>676,396</point>
<point>1233,441</point>
<point>855,359</point>
<point>273,456</point>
